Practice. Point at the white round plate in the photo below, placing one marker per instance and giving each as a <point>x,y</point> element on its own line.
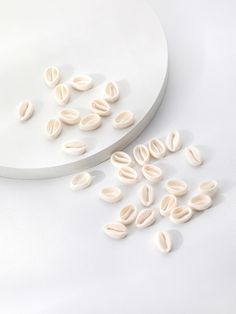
<point>109,40</point>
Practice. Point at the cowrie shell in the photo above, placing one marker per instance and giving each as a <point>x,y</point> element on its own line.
<point>168,202</point>
<point>128,214</point>
<point>145,218</point>
<point>111,91</point>
<point>101,107</point>
<point>90,122</point>
<point>115,230</point>
<point>176,187</point>
<point>141,154</point>
<point>146,195</point>
<point>25,110</point>
<point>209,187</point>
<point>152,173</point>
<point>181,214</point>
<point>173,141</point>
<point>53,128</point>
<point>110,194</point>
<point>52,76</point>
<point>120,159</point>
<point>127,175</point>
<point>80,181</point>
<point>74,147</point>
<point>81,82</point>
<point>200,202</point>
<point>123,120</point>
<point>69,116</point>
<point>163,241</point>
<point>193,155</point>
<point>62,94</point>
<point>156,148</point>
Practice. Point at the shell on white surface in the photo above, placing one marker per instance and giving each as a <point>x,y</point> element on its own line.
<point>52,76</point>
<point>163,241</point>
<point>128,214</point>
<point>120,159</point>
<point>74,147</point>
<point>115,230</point>
<point>62,94</point>
<point>152,173</point>
<point>200,202</point>
<point>101,107</point>
<point>146,195</point>
<point>181,214</point>
<point>168,202</point>
<point>173,141</point>
<point>81,82</point>
<point>53,128</point>
<point>176,187</point>
<point>123,120</point>
<point>111,91</point>
<point>209,187</point>
<point>156,148</point>
<point>146,217</point>
<point>69,116</point>
<point>110,194</point>
<point>141,154</point>
<point>25,110</point>
<point>193,156</point>
<point>127,175</point>
<point>81,181</point>
<point>90,122</point>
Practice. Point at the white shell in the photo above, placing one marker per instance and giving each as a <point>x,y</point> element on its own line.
<point>123,120</point>
<point>181,214</point>
<point>145,218</point>
<point>74,147</point>
<point>173,141</point>
<point>115,230</point>
<point>81,82</point>
<point>128,214</point>
<point>193,155</point>
<point>120,159</point>
<point>176,187</point>
<point>90,122</point>
<point>152,173</point>
<point>163,241</point>
<point>80,181</point>
<point>25,110</point>
<point>53,128</point>
<point>52,76</point>
<point>110,194</point>
<point>141,154</point>
<point>209,187</point>
<point>62,94</point>
<point>156,148</point>
<point>127,175</point>
<point>111,92</point>
<point>69,116</point>
<point>200,202</point>
<point>168,202</point>
<point>146,195</point>
<point>101,107</point>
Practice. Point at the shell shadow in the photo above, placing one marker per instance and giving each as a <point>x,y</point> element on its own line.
<point>177,239</point>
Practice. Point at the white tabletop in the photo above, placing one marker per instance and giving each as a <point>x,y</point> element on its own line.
<point>54,258</point>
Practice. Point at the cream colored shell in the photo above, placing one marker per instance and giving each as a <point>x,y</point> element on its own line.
<point>193,155</point>
<point>120,159</point>
<point>146,195</point>
<point>110,194</point>
<point>69,116</point>
<point>128,214</point>
<point>200,202</point>
<point>141,154</point>
<point>115,230</point>
<point>176,187</point>
<point>80,181</point>
<point>53,128</point>
<point>209,187</point>
<point>181,214</point>
<point>101,107</point>
<point>127,175</point>
<point>25,110</point>
<point>173,141</point>
<point>111,92</point>
<point>168,202</point>
<point>90,122</point>
<point>74,147</point>
<point>145,218</point>
<point>152,173</point>
<point>156,148</point>
<point>52,76</point>
<point>62,94</point>
<point>123,120</point>
<point>81,82</point>
<point>163,241</point>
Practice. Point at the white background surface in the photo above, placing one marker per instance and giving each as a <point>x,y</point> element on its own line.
<point>54,257</point>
